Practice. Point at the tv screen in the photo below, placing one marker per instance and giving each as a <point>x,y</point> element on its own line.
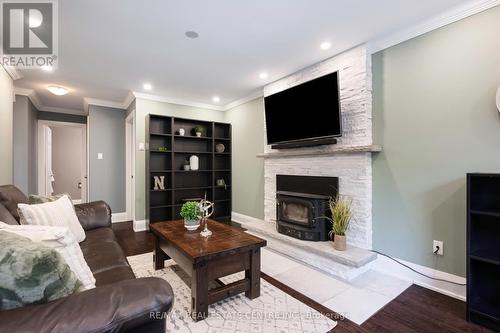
<point>310,110</point>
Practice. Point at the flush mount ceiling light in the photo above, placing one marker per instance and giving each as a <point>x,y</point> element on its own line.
<point>47,68</point>
<point>216,99</point>
<point>325,45</point>
<point>192,34</point>
<point>263,75</point>
<point>57,90</point>
<point>147,86</point>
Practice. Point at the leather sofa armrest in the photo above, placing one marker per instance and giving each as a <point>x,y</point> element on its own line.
<point>120,307</point>
<point>92,215</point>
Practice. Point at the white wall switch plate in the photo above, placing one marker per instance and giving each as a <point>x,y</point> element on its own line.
<point>435,245</point>
<point>99,156</point>
<point>141,146</point>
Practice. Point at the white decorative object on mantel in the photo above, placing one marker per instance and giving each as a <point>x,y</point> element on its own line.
<point>194,162</point>
<point>498,98</point>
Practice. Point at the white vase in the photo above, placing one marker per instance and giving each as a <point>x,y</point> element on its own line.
<point>191,225</point>
<point>194,162</point>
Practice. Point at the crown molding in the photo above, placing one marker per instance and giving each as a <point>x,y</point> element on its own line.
<point>458,13</point>
<point>248,98</point>
<point>179,101</point>
<point>128,100</point>
<point>100,102</point>
<point>31,94</point>
<point>13,72</point>
<point>33,97</point>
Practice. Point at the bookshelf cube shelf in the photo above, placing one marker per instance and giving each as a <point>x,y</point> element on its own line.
<point>483,249</point>
<point>166,156</point>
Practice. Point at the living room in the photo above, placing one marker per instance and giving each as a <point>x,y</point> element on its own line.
<point>249,167</point>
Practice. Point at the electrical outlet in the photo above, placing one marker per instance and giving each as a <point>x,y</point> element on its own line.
<point>437,245</point>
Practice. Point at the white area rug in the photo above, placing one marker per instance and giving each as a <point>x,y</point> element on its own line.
<point>274,311</point>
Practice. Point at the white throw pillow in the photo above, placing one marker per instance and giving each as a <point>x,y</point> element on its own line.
<point>61,240</point>
<point>59,213</point>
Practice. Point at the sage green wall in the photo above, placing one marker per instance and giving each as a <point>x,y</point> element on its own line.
<point>142,109</point>
<point>106,130</point>
<point>247,121</point>
<point>435,116</point>
<point>25,143</point>
<point>6,126</point>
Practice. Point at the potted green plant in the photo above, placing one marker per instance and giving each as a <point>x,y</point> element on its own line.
<point>341,210</point>
<point>198,130</point>
<point>191,214</point>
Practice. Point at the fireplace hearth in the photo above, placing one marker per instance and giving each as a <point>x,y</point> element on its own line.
<point>302,204</point>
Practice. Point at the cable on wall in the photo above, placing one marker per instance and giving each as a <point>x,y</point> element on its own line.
<point>420,273</point>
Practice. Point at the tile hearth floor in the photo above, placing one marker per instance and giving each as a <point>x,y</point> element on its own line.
<point>357,300</point>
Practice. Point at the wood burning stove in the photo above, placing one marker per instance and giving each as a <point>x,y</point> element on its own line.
<point>302,204</point>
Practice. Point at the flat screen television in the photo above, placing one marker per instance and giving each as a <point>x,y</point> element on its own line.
<point>304,113</point>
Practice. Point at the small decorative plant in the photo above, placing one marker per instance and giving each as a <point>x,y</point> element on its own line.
<point>191,213</point>
<point>341,210</point>
<point>198,130</point>
<point>186,165</point>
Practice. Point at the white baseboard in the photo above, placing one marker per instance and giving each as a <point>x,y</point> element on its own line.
<point>387,266</point>
<point>241,218</point>
<point>141,225</point>
<point>119,217</point>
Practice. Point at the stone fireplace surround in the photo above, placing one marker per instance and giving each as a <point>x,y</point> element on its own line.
<point>350,159</point>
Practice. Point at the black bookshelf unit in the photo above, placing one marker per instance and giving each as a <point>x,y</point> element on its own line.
<point>167,151</point>
<point>483,249</point>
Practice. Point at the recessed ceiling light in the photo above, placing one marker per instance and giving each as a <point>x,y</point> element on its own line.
<point>325,45</point>
<point>263,75</point>
<point>147,86</point>
<point>57,90</point>
<point>192,34</point>
<point>216,99</point>
<point>47,68</point>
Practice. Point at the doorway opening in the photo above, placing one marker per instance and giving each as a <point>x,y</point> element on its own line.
<point>130,165</point>
<point>62,159</point>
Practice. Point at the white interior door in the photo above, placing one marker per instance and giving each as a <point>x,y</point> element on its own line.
<point>49,174</point>
<point>54,154</point>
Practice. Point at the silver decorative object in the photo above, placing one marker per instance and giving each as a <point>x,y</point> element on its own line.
<point>207,209</point>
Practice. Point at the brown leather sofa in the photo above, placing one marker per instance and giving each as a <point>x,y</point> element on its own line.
<point>119,303</point>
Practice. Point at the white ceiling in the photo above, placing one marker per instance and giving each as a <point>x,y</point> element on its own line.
<point>108,48</point>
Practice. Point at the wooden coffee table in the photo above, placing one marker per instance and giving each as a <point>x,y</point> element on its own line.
<point>227,251</point>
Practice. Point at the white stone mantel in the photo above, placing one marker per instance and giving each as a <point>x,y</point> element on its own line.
<point>329,150</point>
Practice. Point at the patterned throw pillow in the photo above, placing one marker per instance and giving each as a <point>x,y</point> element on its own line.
<point>61,240</point>
<point>35,199</point>
<point>59,213</point>
<point>31,273</point>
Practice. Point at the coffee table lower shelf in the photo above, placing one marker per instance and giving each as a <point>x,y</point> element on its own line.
<point>211,267</point>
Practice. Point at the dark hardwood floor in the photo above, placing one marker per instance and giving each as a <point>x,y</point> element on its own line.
<point>416,310</point>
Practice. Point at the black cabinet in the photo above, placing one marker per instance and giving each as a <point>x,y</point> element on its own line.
<point>483,249</point>
<point>166,155</point>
